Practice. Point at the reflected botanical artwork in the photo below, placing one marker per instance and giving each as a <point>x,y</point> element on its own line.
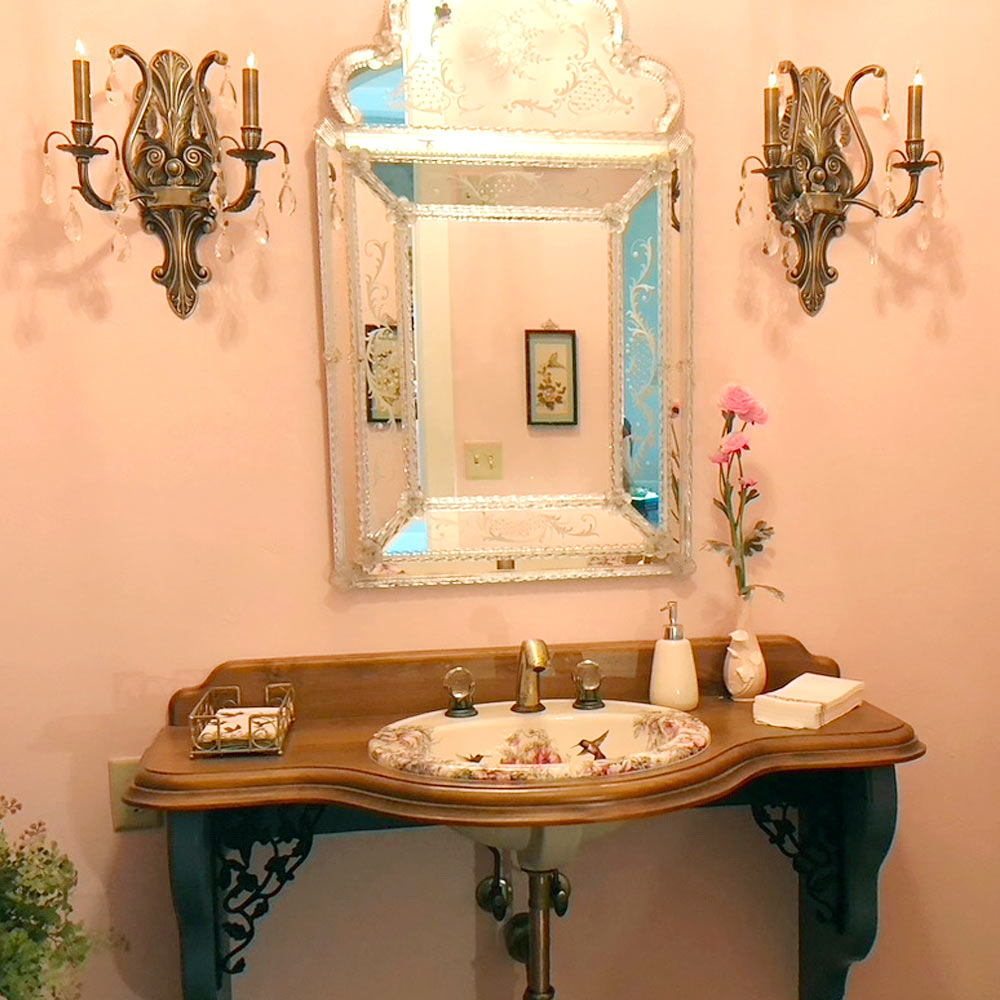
<point>384,373</point>
<point>550,359</point>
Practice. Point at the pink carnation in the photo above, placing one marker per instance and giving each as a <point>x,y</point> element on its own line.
<point>737,441</point>
<point>736,399</point>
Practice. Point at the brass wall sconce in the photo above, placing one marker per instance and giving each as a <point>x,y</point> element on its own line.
<point>170,163</point>
<point>810,186</point>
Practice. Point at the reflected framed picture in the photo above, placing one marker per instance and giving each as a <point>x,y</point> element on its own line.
<point>383,374</point>
<point>550,377</point>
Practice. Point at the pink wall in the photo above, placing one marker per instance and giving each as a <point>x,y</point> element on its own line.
<point>531,276</point>
<point>165,508</point>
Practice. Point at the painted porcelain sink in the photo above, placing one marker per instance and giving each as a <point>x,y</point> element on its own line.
<point>556,744</point>
<point>559,743</point>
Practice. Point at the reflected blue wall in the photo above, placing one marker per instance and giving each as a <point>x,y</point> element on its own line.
<point>643,389</point>
<point>377,94</point>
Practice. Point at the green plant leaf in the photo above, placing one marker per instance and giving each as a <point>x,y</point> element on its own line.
<point>722,547</point>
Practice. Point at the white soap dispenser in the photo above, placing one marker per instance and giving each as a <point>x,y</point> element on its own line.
<point>673,681</point>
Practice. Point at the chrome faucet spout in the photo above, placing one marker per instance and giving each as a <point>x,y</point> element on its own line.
<point>531,661</point>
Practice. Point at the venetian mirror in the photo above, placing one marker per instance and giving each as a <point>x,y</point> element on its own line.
<point>505,242</point>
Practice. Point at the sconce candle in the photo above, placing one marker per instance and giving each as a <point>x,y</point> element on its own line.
<point>915,108</point>
<point>771,110</point>
<point>251,112</point>
<point>81,86</point>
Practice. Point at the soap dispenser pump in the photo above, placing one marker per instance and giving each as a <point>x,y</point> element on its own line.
<point>673,681</point>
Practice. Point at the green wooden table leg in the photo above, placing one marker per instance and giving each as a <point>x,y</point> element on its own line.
<point>843,825</point>
<point>191,849</point>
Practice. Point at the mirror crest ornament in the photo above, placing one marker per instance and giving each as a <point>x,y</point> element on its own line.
<point>489,168</point>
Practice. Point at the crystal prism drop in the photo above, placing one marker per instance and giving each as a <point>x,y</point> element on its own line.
<point>887,203</point>
<point>286,197</point>
<point>788,252</point>
<point>804,210</point>
<point>227,94</point>
<point>224,249</point>
<point>217,192</point>
<point>924,230</point>
<point>48,183</point>
<point>261,232</point>
<point>886,109</point>
<point>119,199</point>
<point>113,92</point>
<point>72,224</point>
<point>939,206</point>
<point>771,243</point>
<point>120,245</point>
<point>873,242</point>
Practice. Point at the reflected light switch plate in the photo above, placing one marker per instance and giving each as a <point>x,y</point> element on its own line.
<point>483,460</point>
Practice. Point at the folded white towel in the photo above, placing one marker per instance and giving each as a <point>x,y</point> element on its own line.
<point>808,702</point>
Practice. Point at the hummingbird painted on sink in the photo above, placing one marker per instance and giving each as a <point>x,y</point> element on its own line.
<point>594,747</point>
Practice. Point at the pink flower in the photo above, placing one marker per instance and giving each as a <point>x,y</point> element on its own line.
<point>736,399</point>
<point>747,484</point>
<point>737,441</point>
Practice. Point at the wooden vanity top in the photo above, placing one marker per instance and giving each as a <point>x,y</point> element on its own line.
<point>342,700</point>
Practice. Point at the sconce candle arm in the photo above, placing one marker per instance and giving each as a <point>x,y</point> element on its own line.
<point>145,94</point>
<point>45,145</point>
<point>83,152</point>
<point>201,98</point>
<point>284,149</point>
<point>251,157</point>
<point>866,175</point>
<point>789,68</point>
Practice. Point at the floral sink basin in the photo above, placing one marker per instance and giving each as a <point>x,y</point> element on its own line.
<point>558,743</point>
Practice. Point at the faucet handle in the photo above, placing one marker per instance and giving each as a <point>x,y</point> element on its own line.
<point>461,687</point>
<point>587,678</point>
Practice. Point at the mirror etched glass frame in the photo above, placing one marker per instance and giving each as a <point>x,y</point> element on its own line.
<point>487,157</point>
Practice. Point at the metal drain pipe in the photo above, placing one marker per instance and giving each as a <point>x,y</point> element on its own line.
<point>539,938</point>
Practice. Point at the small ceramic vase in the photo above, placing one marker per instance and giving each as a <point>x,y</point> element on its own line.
<point>745,672</point>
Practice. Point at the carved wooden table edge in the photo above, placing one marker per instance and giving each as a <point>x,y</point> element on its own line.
<point>829,805</point>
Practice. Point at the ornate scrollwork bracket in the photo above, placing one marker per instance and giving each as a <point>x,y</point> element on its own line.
<point>836,827</point>
<point>254,863</point>
<point>814,854</point>
<point>171,155</point>
<point>810,185</point>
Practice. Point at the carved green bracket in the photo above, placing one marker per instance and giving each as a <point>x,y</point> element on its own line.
<point>837,827</point>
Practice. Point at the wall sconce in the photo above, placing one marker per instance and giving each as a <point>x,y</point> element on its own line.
<point>809,184</point>
<point>170,163</point>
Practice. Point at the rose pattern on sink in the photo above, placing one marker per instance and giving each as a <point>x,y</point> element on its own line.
<point>530,753</point>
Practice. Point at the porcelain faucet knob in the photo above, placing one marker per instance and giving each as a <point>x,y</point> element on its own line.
<point>587,678</point>
<point>461,687</point>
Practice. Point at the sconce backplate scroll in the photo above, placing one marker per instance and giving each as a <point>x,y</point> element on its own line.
<point>169,151</point>
<point>808,201</point>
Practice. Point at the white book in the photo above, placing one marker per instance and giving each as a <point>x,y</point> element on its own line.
<point>808,702</point>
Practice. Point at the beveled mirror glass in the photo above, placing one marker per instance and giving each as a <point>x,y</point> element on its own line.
<point>505,229</point>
